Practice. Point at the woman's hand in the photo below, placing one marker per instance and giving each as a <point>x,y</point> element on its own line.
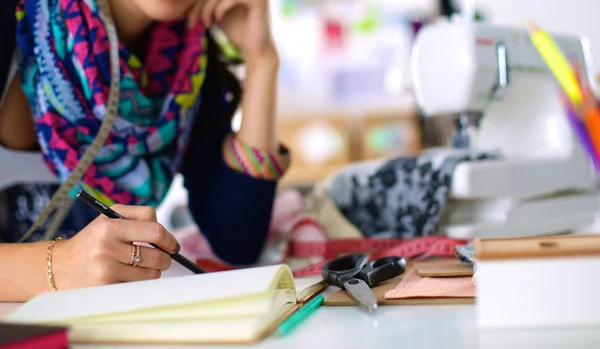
<point>245,22</point>
<point>100,254</point>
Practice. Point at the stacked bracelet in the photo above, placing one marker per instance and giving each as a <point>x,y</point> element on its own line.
<point>254,162</point>
<point>49,262</point>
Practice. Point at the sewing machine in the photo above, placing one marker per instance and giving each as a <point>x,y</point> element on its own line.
<point>494,79</point>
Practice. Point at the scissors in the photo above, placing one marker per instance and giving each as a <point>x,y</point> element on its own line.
<point>355,274</point>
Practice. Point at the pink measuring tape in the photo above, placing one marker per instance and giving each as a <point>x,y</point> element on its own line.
<point>411,249</point>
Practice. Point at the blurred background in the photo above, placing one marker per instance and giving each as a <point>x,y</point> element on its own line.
<point>344,87</point>
<point>345,90</point>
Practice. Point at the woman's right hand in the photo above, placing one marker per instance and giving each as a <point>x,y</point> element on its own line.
<point>100,253</point>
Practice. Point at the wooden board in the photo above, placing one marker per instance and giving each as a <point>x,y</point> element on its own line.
<point>537,247</point>
<point>341,298</point>
<point>451,269</point>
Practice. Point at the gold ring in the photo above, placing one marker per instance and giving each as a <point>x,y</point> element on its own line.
<point>131,261</point>
<point>137,259</point>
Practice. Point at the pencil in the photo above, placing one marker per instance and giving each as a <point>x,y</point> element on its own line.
<point>591,118</point>
<point>557,63</point>
<point>585,139</point>
<point>290,323</point>
<point>110,213</point>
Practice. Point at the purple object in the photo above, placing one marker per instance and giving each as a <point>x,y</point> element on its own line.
<point>584,138</point>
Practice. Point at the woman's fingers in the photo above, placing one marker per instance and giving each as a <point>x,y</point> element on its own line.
<point>126,273</point>
<point>140,213</point>
<point>141,231</point>
<point>223,7</point>
<point>148,231</point>
<point>151,258</point>
<point>194,14</point>
<point>207,12</point>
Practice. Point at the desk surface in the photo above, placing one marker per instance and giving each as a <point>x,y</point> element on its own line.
<point>412,327</point>
<point>442,326</point>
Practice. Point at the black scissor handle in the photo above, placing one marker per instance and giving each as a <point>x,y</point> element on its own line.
<point>382,269</point>
<point>338,270</point>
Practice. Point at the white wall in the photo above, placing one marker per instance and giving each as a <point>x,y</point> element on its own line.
<point>575,17</point>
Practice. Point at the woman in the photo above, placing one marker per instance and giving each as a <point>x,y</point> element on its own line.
<point>177,101</point>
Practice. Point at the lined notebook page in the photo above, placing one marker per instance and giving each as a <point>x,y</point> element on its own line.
<point>284,279</point>
<point>414,286</point>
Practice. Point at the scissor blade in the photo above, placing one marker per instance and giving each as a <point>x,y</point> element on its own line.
<point>361,292</point>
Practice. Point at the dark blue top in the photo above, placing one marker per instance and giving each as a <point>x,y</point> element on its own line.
<point>232,209</point>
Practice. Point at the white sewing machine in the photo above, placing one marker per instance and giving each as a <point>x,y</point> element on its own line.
<point>544,183</point>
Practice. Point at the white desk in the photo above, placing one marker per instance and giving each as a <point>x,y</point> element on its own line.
<point>411,327</point>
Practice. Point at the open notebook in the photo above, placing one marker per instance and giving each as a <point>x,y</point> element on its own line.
<point>239,306</point>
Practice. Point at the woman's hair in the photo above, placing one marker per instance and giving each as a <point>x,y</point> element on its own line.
<point>219,81</point>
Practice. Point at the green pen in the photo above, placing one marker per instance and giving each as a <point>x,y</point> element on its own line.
<point>299,316</point>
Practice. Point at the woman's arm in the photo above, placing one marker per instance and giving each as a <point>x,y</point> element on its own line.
<point>17,131</point>
<point>259,127</point>
<point>232,207</point>
<point>246,25</point>
<point>100,254</point>
<point>231,179</point>
<point>23,267</point>
<point>231,198</point>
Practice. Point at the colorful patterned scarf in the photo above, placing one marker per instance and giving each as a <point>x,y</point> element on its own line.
<point>65,72</point>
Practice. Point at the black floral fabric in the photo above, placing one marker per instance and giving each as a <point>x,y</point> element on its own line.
<point>403,197</point>
<point>22,204</point>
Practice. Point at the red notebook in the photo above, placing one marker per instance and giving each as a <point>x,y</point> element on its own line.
<point>13,336</point>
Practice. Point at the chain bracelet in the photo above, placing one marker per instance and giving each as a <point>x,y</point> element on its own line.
<point>49,262</point>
